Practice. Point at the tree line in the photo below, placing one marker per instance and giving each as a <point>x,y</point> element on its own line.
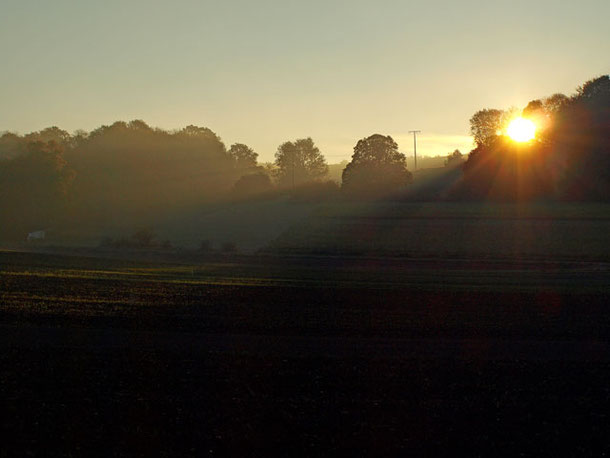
<point>130,168</point>
<point>569,159</point>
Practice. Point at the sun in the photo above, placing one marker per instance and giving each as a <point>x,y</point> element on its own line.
<point>521,130</point>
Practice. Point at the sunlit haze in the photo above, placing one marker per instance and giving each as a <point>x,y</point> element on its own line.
<point>521,130</point>
<point>264,227</point>
<point>265,72</point>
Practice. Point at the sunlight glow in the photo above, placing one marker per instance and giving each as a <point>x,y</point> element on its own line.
<point>521,130</point>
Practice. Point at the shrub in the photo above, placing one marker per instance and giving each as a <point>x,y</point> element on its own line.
<point>252,185</point>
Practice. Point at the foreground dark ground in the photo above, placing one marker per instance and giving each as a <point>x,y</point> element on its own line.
<point>303,356</point>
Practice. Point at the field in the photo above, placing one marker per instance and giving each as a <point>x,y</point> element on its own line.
<point>515,231</point>
<point>310,295</point>
<point>249,225</point>
<point>541,231</point>
<point>260,355</point>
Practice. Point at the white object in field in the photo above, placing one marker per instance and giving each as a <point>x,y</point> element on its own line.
<point>36,235</point>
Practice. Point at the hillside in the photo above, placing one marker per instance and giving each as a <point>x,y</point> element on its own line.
<point>536,231</point>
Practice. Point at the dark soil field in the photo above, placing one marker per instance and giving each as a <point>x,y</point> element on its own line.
<point>303,356</point>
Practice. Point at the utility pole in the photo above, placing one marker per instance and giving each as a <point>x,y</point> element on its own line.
<point>415,132</point>
<point>293,170</point>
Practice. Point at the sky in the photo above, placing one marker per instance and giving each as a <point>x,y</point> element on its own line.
<point>265,72</point>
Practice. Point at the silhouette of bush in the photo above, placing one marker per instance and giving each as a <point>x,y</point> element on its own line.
<point>252,185</point>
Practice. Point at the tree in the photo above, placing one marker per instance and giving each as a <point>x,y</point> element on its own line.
<point>582,136</point>
<point>50,134</point>
<point>139,167</point>
<point>597,88</point>
<point>485,126</point>
<point>138,124</point>
<point>11,145</point>
<point>192,131</point>
<point>534,108</point>
<point>34,188</point>
<point>569,158</point>
<point>299,162</point>
<point>555,103</point>
<point>454,159</point>
<point>376,167</point>
<point>243,156</point>
<point>537,112</point>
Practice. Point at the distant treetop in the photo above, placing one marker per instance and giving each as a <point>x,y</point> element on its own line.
<point>376,167</point>
<point>299,162</point>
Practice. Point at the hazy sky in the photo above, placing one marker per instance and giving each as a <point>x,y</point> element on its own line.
<point>263,72</point>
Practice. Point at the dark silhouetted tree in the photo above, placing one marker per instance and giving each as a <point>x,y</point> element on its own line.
<point>582,140</point>
<point>50,134</point>
<point>533,108</point>
<point>485,126</point>
<point>542,115</point>
<point>34,188</point>
<point>568,159</point>
<point>11,145</point>
<point>555,103</point>
<point>376,168</point>
<point>130,168</point>
<point>299,162</point>
<point>243,156</point>
<point>597,89</point>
